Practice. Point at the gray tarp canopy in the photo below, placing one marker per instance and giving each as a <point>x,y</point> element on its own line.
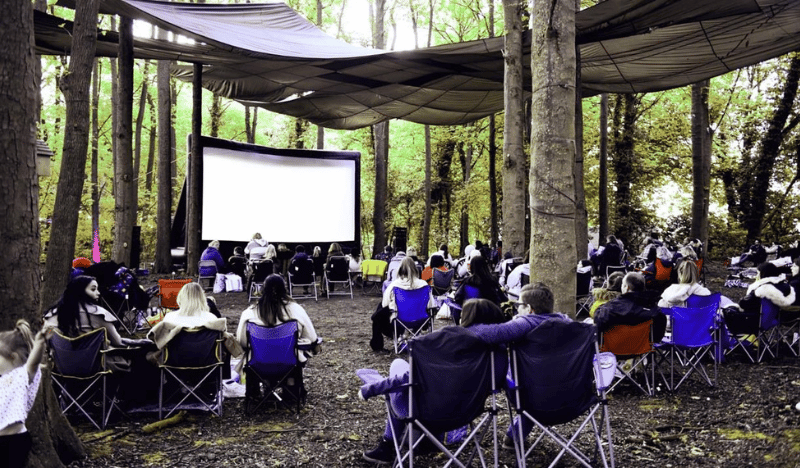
<point>270,56</point>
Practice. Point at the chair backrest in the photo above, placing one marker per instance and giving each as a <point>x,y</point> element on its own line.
<point>770,314</point>
<point>193,348</point>
<point>584,285</point>
<point>80,356</point>
<point>301,271</point>
<point>207,268</point>
<point>338,269</point>
<point>554,370</point>
<point>373,270</point>
<point>443,280</point>
<point>694,326</point>
<point>524,279</point>
<point>273,350</point>
<point>628,340</point>
<point>168,290</point>
<point>412,304</point>
<point>663,272</point>
<point>472,292</point>
<point>262,269</point>
<point>515,262</point>
<point>694,301</point>
<point>465,362</point>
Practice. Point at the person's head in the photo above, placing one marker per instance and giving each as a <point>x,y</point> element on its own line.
<point>257,236</point>
<point>535,298</point>
<point>687,272</point>
<point>468,250</point>
<point>688,252</point>
<point>300,248</point>
<point>80,292</point>
<point>270,252</point>
<point>768,270</point>
<point>633,282</point>
<point>15,345</point>
<point>238,250</point>
<point>611,239</point>
<point>479,266</point>
<point>615,281</point>
<point>757,241</point>
<point>478,244</point>
<point>191,300</point>
<point>408,269</point>
<point>443,248</point>
<point>335,247</point>
<point>214,244</point>
<point>477,311</point>
<point>437,261</point>
<point>274,297</point>
<point>411,252</point>
<point>317,251</point>
<point>388,249</point>
<point>796,267</point>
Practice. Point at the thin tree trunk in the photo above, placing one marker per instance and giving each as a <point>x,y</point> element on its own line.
<point>163,260</point>
<point>553,148</point>
<point>623,164</point>
<point>494,233</point>
<point>426,220</point>
<point>581,221</point>
<point>602,178</point>
<point>151,151</point>
<point>137,137</point>
<point>216,115</point>
<point>194,170</point>
<point>466,166</point>
<point>124,201</point>
<point>381,131</point>
<point>75,85</point>
<point>514,159</point>
<point>95,155</point>
<point>701,161</point>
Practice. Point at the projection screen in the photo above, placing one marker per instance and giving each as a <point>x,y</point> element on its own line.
<point>291,196</point>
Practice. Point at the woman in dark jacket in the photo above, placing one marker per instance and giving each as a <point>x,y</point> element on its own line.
<point>481,278</point>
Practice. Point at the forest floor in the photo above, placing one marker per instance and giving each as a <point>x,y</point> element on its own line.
<point>748,419</point>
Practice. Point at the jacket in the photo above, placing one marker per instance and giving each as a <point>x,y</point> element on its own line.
<point>778,291</point>
<point>632,308</point>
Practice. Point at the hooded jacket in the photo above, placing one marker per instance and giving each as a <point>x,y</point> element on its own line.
<point>632,308</point>
<point>774,288</point>
<point>676,294</point>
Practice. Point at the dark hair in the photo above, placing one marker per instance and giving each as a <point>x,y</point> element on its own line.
<point>635,281</point>
<point>438,261</point>
<point>300,248</point>
<point>443,248</point>
<point>477,311</point>
<point>274,298</point>
<point>768,270</point>
<point>539,297</point>
<point>388,248</point>
<point>68,307</point>
<point>612,239</point>
<point>479,269</point>
<point>238,251</point>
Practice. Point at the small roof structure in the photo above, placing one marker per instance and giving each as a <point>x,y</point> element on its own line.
<point>270,56</point>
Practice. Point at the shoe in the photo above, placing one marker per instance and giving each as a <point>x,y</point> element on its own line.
<point>382,454</point>
<point>508,443</point>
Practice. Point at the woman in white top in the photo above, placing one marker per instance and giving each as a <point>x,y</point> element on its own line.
<point>193,312</point>
<point>676,294</point>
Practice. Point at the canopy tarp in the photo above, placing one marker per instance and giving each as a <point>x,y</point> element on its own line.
<point>268,55</point>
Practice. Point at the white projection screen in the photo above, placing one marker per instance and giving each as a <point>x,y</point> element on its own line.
<point>291,196</point>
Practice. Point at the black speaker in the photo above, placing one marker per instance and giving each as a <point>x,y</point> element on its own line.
<point>399,239</point>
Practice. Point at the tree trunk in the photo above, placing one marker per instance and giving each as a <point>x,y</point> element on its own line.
<point>466,166</point>
<point>216,115</point>
<point>95,155</point>
<point>137,134</point>
<point>701,161</point>
<point>426,220</point>
<point>514,159</point>
<point>553,150</point>
<point>124,202</point>
<point>194,169</point>
<point>602,178</point>
<point>494,231</point>
<point>623,164</point>
<point>151,150</point>
<point>381,132</point>
<point>75,86</point>
<point>581,221</point>
<point>163,260</point>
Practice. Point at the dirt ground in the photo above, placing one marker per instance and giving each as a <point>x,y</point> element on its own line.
<point>748,419</point>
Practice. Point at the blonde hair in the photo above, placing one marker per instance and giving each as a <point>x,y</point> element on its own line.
<point>192,300</point>
<point>214,243</point>
<point>18,341</point>
<point>257,236</point>
<point>688,252</point>
<point>270,252</point>
<point>687,272</point>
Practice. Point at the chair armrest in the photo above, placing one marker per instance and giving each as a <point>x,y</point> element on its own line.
<point>310,346</point>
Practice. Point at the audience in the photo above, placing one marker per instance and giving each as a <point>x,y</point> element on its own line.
<point>256,247</point>
<point>688,284</point>
<point>634,306</point>
<point>612,290</point>
<point>212,253</point>
<point>237,263</point>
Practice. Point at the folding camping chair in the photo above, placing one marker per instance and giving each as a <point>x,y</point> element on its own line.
<point>413,316</point>
<point>583,294</point>
<point>553,370</point>
<point>790,330</point>
<point>372,272</point>
<point>442,281</point>
<point>260,270</point>
<point>80,375</point>
<point>451,375</point>
<point>633,342</point>
<point>271,360</point>
<point>612,269</point>
<point>168,290</point>
<point>470,292</point>
<point>661,279</point>
<point>301,274</point>
<point>191,366</point>
<point>694,337</point>
<point>337,271</point>
<point>207,270</point>
<point>764,326</point>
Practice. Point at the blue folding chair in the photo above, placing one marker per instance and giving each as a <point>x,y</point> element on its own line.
<point>695,302</point>
<point>763,326</point>
<point>694,337</point>
<point>452,373</point>
<point>271,360</point>
<point>559,377</point>
<point>470,292</point>
<point>413,316</point>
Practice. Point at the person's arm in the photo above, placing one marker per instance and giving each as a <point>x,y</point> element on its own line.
<point>241,330</point>
<point>35,356</point>
<point>393,383</point>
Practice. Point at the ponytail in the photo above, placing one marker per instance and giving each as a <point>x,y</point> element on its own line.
<point>19,341</point>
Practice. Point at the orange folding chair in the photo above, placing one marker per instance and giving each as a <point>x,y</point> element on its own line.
<point>168,290</point>
<point>633,342</point>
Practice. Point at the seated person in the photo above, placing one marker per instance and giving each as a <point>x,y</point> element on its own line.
<point>412,252</point>
<point>756,254</point>
<point>319,262</point>
<point>461,265</point>
<point>436,263</point>
<point>794,280</point>
<point>770,285</point>
<point>634,306</point>
<point>335,250</point>
<point>407,279</point>
<point>481,278</point>
<point>299,253</point>
<point>612,290</point>
<point>685,253</point>
<point>688,284</point>
<point>237,263</point>
<point>193,312</point>
<point>274,308</point>
<point>516,278</point>
<point>394,265</point>
<point>256,247</point>
<point>443,251</point>
<point>607,255</point>
<point>212,253</point>
<point>386,255</point>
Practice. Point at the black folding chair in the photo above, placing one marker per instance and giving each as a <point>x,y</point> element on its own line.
<point>337,271</point>
<point>301,275</point>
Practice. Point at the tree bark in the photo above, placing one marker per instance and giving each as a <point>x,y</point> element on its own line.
<point>581,221</point>
<point>163,260</point>
<point>75,86</point>
<point>95,155</point>
<point>426,220</point>
<point>553,149</point>
<point>193,170</point>
<point>623,164</point>
<point>602,178</point>
<point>216,115</point>
<point>701,161</point>
<point>381,131</point>
<point>514,158</point>
<point>124,191</point>
<point>466,167</point>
